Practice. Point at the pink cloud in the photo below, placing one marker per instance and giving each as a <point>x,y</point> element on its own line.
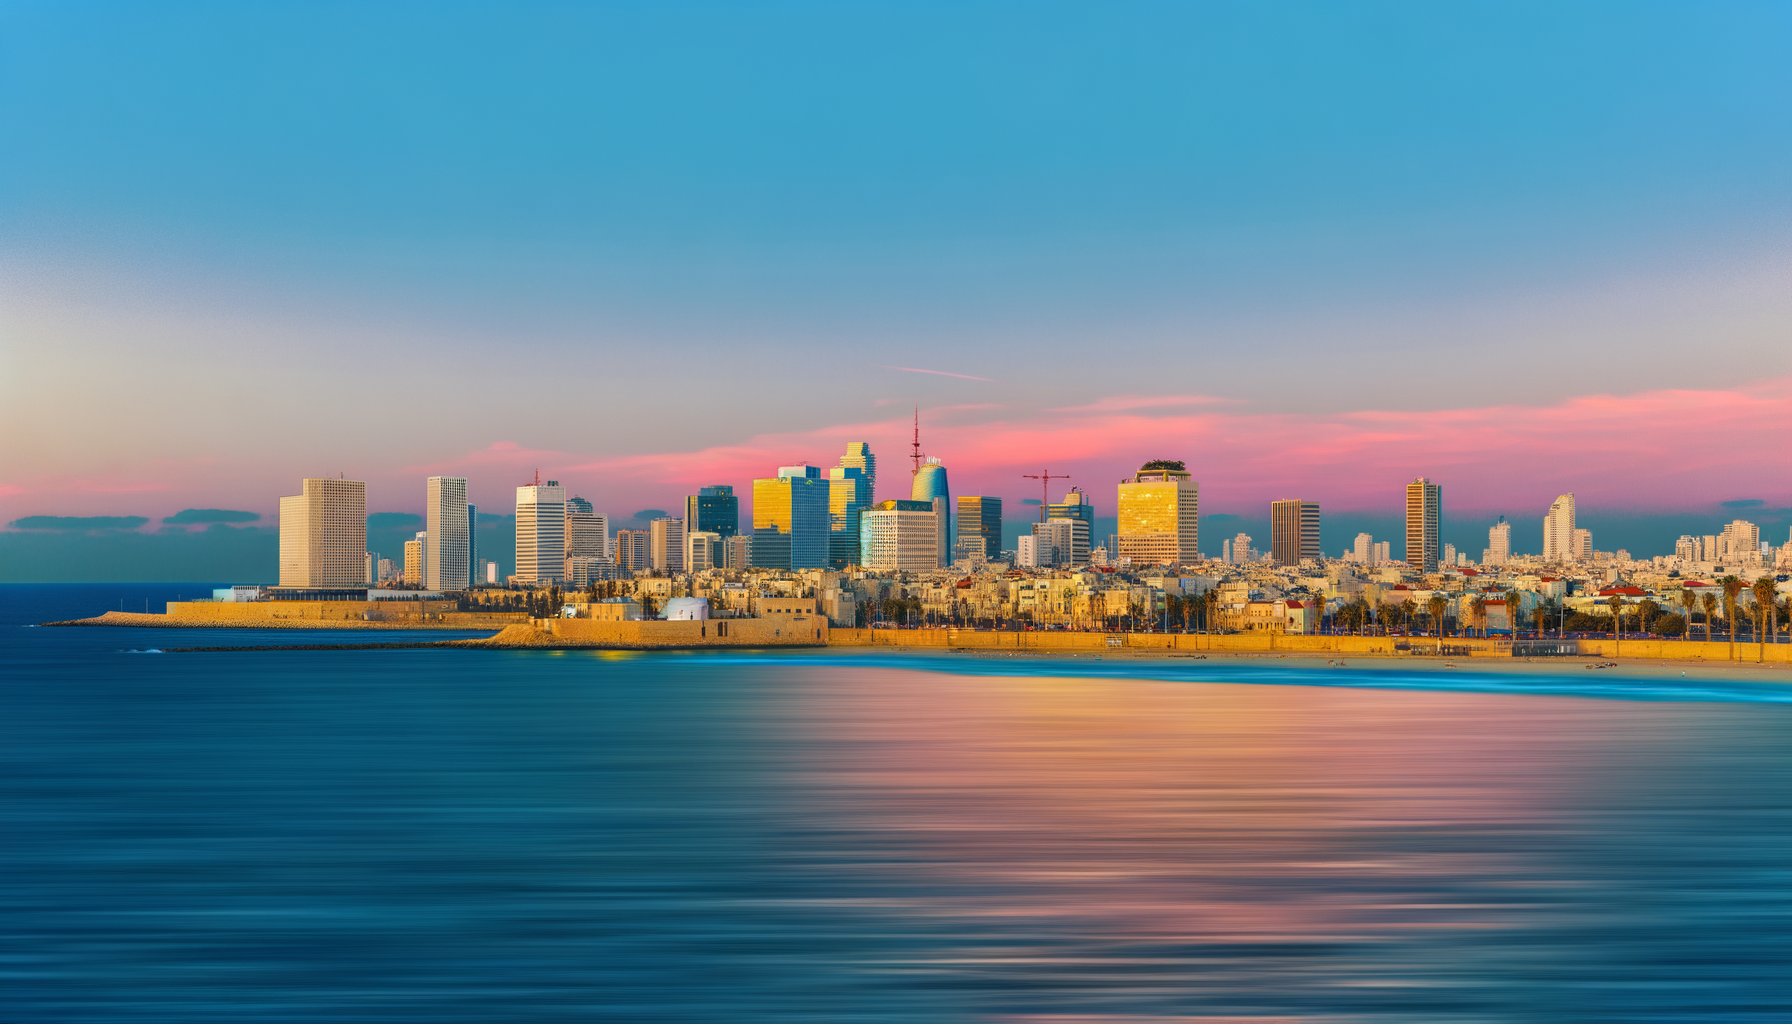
<point>1122,403</point>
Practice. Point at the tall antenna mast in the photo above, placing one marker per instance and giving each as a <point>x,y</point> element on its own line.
<point>538,478</point>
<point>915,452</point>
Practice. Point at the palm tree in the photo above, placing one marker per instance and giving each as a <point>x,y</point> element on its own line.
<point>1709,602</point>
<point>1538,614</point>
<point>1319,607</point>
<point>1764,610</point>
<point>1513,606</point>
<point>1732,589</point>
<point>1478,610</point>
<point>1617,603</point>
<point>1437,605</point>
<point>1688,601</point>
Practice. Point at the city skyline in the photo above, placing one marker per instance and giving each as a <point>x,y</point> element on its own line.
<point>1340,251</point>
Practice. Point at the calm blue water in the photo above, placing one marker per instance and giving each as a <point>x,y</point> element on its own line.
<point>421,835</point>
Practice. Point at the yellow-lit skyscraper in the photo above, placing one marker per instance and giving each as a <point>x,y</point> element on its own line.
<point>1424,515</point>
<point>323,535</point>
<point>1159,515</point>
<point>790,519</point>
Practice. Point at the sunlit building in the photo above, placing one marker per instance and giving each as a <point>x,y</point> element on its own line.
<point>899,534</point>
<point>1424,517</point>
<point>1558,530</point>
<point>858,455</point>
<point>849,495</point>
<point>541,532</point>
<point>631,551</point>
<point>930,483</point>
<point>980,520</point>
<point>665,544</point>
<point>587,530</point>
<point>1499,543</point>
<point>446,538</point>
<point>1159,515</point>
<point>790,519</point>
<point>702,550</point>
<point>323,534</point>
<point>416,558</point>
<point>1076,505</point>
<point>1293,531</point>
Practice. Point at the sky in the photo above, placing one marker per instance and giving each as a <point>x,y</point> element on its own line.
<point>1313,250</point>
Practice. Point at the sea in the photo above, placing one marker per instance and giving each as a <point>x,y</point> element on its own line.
<point>835,835</point>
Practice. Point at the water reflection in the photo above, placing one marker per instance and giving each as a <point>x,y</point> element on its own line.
<point>1121,848</point>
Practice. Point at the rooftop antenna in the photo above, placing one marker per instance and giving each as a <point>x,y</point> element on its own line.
<point>915,447</point>
<point>538,478</point>
<point>1045,478</point>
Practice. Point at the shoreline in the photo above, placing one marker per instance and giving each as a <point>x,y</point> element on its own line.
<point>153,620</point>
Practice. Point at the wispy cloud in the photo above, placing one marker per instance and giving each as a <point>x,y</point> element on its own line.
<point>1127,403</point>
<point>936,373</point>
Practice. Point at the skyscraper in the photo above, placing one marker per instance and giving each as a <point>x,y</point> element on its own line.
<point>541,532</point>
<point>665,544</point>
<point>1061,541</point>
<point>713,510</point>
<point>446,519</point>
<point>899,534</point>
<point>1364,551</point>
<point>323,534</point>
<point>632,550</point>
<point>474,576</point>
<point>790,519</point>
<point>930,483</point>
<point>587,532</point>
<point>849,494</point>
<point>1159,515</point>
<point>1558,530</point>
<point>1499,543</point>
<point>1293,530</point>
<point>1424,517</point>
<point>1076,505</point>
<point>858,455</point>
<point>416,558</point>
<point>981,517</point>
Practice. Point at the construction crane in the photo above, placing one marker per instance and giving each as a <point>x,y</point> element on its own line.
<point>1045,479</point>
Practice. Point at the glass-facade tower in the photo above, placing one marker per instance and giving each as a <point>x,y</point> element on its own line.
<point>1159,515</point>
<point>790,519</point>
<point>1293,530</point>
<point>713,510</point>
<point>1076,505</point>
<point>980,516</point>
<point>849,494</point>
<point>930,483</point>
<point>858,455</point>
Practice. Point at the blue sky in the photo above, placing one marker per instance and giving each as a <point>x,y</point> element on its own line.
<point>594,232</point>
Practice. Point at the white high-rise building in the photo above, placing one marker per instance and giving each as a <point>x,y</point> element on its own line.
<point>445,513</point>
<point>541,532</point>
<point>1558,530</point>
<point>1740,542</point>
<point>323,535</point>
<point>701,549</point>
<point>1241,549</point>
<point>1382,552</point>
<point>900,534</point>
<point>665,544</point>
<point>1499,542</point>
<point>1026,551</point>
<point>1449,554</point>
<point>1365,548</point>
<point>1061,541</point>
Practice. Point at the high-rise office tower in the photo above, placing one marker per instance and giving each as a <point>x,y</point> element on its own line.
<point>1076,505</point>
<point>323,534</point>
<point>702,550</point>
<point>1364,551</point>
<point>1061,541</point>
<point>899,534</point>
<point>1293,531</point>
<point>737,551</point>
<point>1558,530</point>
<point>849,495</point>
<point>1499,542</point>
<point>541,532</point>
<point>1424,518</point>
<point>665,544</point>
<point>1580,546</point>
<point>474,576</point>
<point>445,515</point>
<point>790,519</point>
<point>1159,515</point>
<point>713,510</point>
<point>930,483</point>
<point>1382,552</point>
<point>858,455</point>
<point>980,517</point>
<point>632,550</point>
<point>587,531</point>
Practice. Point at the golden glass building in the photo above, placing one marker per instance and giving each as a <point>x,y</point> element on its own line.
<point>790,519</point>
<point>1159,515</point>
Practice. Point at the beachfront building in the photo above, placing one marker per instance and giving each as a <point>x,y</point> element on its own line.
<point>323,534</point>
<point>541,532</point>
<point>447,537</point>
